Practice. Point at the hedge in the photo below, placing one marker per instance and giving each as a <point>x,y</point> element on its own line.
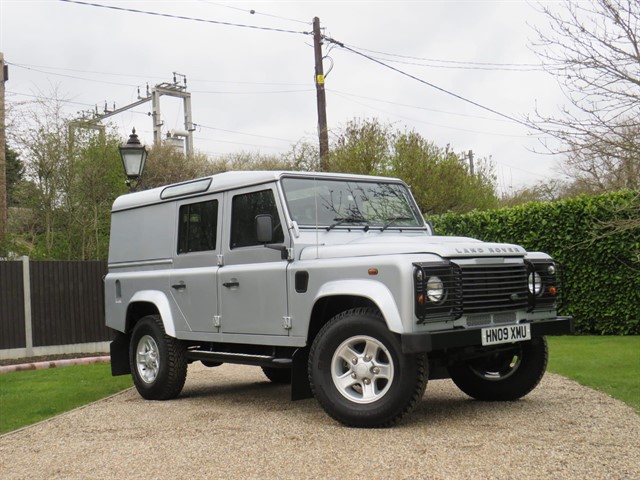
<point>595,239</point>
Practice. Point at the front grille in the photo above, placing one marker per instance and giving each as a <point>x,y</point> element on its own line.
<point>494,288</point>
<point>485,292</point>
<point>488,294</point>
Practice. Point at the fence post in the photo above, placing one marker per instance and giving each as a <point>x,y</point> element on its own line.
<point>26,287</point>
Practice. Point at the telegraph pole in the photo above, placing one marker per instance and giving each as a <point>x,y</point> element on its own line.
<point>471,167</point>
<point>4,74</point>
<point>323,132</point>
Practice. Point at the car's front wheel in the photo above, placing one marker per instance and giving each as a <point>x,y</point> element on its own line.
<point>359,374</point>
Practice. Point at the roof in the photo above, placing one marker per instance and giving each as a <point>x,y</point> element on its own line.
<point>221,182</point>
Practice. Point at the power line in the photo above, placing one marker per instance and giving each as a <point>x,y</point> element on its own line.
<point>42,97</point>
<point>466,115</point>
<point>252,93</point>
<point>70,76</point>
<point>37,68</point>
<point>254,12</point>
<point>183,17</point>
<point>429,84</point>
<point>496,68</point>
<point>454,62</point>
<point>438,125</point>
<point>49,67</point>
<point>194,91</point>
<point>241,82</point>
<point>244,133</point>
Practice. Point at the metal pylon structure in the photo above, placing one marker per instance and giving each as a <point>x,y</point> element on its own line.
<point>172,89</point>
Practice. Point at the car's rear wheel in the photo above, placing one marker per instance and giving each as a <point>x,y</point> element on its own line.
<point>157,361</point>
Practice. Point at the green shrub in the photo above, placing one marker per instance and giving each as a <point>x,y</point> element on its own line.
<point>595,239</point>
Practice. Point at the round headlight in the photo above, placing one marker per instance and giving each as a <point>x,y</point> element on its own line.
<point>435,290</point>
<point>551,269</point>
<point>535,283</point>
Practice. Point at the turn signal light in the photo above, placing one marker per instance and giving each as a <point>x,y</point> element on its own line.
<point>553,291</point>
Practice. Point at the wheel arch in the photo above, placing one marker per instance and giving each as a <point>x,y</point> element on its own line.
<point>336,297</point>
<point>150,302</point>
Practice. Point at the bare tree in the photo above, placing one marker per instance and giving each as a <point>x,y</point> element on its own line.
<point>593,48</point>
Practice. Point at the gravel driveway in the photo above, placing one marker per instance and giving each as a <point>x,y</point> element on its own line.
<point>231,423</point>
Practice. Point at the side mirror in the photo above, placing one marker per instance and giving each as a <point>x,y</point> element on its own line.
<point>264,228</point>
<point>431,229</point>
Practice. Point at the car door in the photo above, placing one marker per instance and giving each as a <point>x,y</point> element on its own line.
<point>194,275</point>
<point>253,283</point>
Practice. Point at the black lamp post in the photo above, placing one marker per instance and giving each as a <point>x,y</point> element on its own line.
<point>133,155</point>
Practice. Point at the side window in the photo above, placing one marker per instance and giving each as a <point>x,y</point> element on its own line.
<point>244,209</point>
<point>198,226</point>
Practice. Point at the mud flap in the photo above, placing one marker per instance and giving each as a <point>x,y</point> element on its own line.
<point>119,349</point>
<point>300,387</point>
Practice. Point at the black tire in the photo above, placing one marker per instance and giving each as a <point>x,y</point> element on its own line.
<point>158,362</point>
<point>210,364</point>
<point>359,374</point>
<point>278,375</point>
<point>504,376</point>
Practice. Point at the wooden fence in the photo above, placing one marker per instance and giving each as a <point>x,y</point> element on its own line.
<point>51,307</point>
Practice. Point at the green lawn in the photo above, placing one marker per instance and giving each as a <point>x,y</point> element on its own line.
<point>31,396</point>
<point>609,364</point>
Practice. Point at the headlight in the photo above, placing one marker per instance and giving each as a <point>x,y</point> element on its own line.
<point>435,289</point>
<point>535,283</point>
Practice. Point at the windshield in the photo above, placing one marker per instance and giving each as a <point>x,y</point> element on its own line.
<point>348,203</point>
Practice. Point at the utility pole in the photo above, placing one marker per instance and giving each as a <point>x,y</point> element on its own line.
<point>471,167</point>
<point>4,76</point>
<point>323,132</point>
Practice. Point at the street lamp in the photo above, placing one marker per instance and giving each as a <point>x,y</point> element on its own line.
<point>133,155</point>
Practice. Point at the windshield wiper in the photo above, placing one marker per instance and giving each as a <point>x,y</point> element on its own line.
<point>394,220</point>
<point>348,219</point>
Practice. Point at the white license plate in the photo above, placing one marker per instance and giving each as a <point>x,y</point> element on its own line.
<point>506,334</point>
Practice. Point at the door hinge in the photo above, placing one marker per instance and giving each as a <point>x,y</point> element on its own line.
<point>220,260</point>
<point>216,321</point>
<point>286,323</point>
<point>290,256</point>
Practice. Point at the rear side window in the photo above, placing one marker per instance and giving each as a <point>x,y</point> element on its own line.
<point>244,210</point>
<point>198,227</point>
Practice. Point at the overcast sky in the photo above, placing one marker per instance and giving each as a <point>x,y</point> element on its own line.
<point>253,90</point>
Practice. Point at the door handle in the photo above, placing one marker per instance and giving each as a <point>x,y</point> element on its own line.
<point>179,286</point>
<point>231,284</point>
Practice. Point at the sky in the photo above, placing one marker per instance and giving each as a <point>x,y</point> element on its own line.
<point>252,89</point>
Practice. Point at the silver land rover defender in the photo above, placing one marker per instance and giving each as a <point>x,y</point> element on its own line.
<point>333,283</point>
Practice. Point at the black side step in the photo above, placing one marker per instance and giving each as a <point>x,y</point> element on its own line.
<point>240,358</point>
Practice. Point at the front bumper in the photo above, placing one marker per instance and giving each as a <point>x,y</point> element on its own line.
<point>435,341</point>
